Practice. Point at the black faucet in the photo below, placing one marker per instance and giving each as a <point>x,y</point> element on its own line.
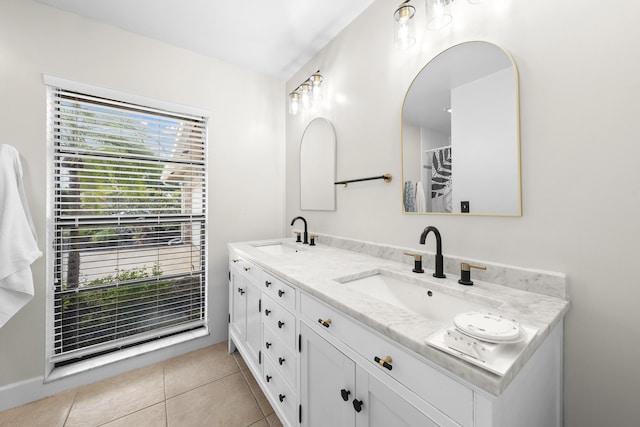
<point>305,240</point>
<point>439,260</point>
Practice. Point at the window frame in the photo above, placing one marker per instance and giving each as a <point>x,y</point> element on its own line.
<point>51,84</point>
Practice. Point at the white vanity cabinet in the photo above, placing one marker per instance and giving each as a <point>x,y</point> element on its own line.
<point>321,367</point>
<point>371,377</point>
<point>244,303</point>
<point>336,391</point>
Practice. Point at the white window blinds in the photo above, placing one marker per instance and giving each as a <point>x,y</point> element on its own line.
<point>129,223</point>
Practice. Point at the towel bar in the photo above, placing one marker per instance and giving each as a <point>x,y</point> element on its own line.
<point>386,177</point>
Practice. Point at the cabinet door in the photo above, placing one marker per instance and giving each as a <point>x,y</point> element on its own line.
<point>383,407</point>
<point>327,383</point>
<point>237,295</point>
<point>253,331</point>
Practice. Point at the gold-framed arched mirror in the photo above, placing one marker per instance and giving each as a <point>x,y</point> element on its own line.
<point>318,166</point>
<point>461,134</point>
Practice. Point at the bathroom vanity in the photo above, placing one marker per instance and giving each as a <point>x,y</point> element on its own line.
<point>328,349</point>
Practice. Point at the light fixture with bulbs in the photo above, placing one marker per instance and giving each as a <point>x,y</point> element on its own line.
<point>439,15</point>
<point>306,94</point>
<point>404,30</point>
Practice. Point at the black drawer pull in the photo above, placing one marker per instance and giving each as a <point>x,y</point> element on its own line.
<point>247,268</point>
<point>280,324</point>
<point>236,260</point>
<point>325,323</point>
<point>345,394</point>
<point>280,293</point>
<point>268,378</point>
<point>267,344</point>
<point>241,291</point>
<point>267,283</point>
<point>385,363</point>
<point>267,312</point>
<point>280,360</point>
<point>357,405</point>
<point>281,397</point>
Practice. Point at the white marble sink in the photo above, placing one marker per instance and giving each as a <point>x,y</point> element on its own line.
<point>278,248</point>
<point>417,297</point>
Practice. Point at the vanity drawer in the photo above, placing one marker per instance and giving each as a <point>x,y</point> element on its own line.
<point>246,267</point>
<point>283,396</point>
<point>449,396</point>
<point>281,356</point>
<point>280,291</point>
<point>281,322</point>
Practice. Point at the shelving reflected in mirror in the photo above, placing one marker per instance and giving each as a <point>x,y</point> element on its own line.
<point>461,134</point>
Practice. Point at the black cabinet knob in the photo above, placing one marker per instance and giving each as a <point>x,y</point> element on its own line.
<point>268,378</point>
<point>345,394</point>
<point>241,291</point>
<point>280,293</point>
<point>267,283</point>
<point>280,324</point>
<point>267,344</point>
<point>281,397</point>
<point>357,405</point>
<point>280,360</point>
<point>267,312</point>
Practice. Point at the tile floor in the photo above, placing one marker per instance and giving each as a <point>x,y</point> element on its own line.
<point>207,387</point>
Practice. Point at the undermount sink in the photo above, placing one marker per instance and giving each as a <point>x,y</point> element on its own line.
<point>417,297</point>
<point>278,249</point>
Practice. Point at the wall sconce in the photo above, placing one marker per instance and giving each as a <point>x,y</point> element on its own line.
<point>306,93</point>
<point>404,31</point>
<point>439,14</point>
<point>294,103</point>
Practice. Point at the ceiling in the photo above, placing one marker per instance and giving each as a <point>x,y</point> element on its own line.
<point>273,37</point>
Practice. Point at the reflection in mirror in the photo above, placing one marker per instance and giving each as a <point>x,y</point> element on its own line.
<point>318,166</point>
<point>460,134</point>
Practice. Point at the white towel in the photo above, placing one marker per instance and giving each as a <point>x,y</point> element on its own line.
<point>18,244</point>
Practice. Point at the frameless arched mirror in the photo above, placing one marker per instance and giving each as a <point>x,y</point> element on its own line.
<point>318,166</point>
<point>461,134</point>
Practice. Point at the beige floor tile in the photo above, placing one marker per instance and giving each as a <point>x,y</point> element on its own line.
<point>264,404</point>
<point>108,400</point>
<point>274,421</point>
<point>153,416</point>
<point>262,423</point>
<point>197,368</point>
<point>227,402</point>
<point>49,412</point>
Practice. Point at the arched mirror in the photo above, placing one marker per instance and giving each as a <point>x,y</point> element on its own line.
<point>318,166</point>
<point>461,134</point>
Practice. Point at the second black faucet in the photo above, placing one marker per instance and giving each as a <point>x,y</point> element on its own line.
<point>305,240</point>
<point>439,259</point>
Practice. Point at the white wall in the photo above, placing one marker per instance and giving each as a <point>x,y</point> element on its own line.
<point>411,152</point>
<point>580,92</point>
<point>246,133</point>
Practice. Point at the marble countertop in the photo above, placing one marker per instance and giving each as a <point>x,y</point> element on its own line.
<point>319,271</point>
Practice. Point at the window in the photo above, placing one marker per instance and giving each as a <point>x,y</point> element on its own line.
<point>128,222</point>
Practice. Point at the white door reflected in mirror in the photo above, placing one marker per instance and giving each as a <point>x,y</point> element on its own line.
<point>318,166</point>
